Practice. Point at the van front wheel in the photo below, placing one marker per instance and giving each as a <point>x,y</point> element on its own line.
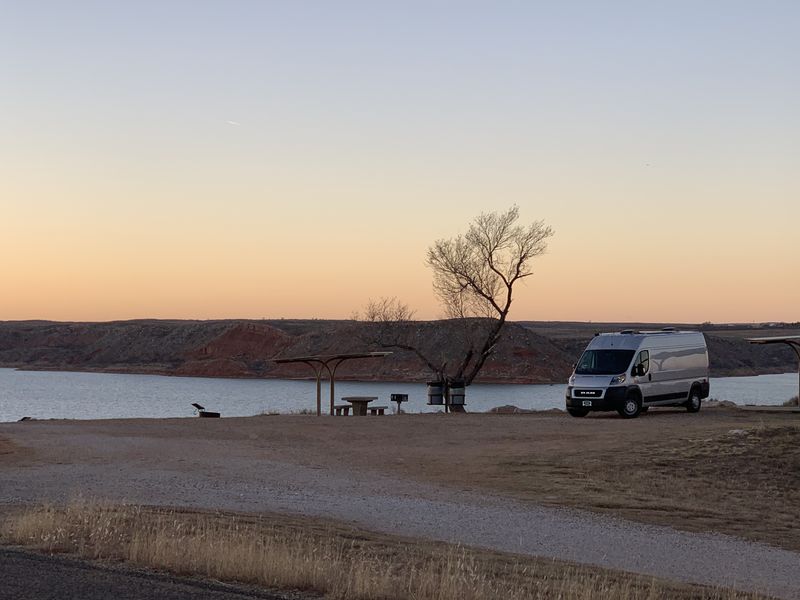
<point>694,402</point>
<point>632,406</point>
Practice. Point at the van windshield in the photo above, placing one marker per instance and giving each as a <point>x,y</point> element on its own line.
<point>604,362</point>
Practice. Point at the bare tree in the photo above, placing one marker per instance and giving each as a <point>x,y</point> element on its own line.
<point>474,275</point>
<point>388,310</point>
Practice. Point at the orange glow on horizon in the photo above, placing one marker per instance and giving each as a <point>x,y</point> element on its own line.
<point>294,160</point>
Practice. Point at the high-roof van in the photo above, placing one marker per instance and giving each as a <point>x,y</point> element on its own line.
<point>631,371</point>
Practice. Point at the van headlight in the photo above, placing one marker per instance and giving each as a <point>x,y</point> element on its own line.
<point>618,379</point>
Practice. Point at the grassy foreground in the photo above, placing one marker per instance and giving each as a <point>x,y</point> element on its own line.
<point>332,560</point>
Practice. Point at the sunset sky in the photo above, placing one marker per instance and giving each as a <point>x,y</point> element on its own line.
<point>198,159</point>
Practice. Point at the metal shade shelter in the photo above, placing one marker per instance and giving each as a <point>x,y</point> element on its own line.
<point>329,363</point>
<point>792,341</point>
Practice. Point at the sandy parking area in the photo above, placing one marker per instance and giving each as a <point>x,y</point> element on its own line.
<point>487,480</point>
<point>6,447</point>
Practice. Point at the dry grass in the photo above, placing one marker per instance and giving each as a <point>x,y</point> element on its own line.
<point>285,553</point>
<point>793,401</point>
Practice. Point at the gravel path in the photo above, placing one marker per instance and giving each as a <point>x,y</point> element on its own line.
<point>204,475</point>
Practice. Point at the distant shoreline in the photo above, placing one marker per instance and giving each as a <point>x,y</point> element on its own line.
<point>166,373</point>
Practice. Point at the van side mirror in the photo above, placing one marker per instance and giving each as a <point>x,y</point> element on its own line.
<point>638,370</point>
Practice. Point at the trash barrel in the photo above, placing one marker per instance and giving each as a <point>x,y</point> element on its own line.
<point>435,393</point>
<point>456,393</point>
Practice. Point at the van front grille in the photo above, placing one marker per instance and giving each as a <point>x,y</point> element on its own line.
<point>587,393</point>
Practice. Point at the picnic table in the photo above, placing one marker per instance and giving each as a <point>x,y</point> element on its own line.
<point>359,403</point>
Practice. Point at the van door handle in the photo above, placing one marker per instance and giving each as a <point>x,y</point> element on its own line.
<point>649,377</point>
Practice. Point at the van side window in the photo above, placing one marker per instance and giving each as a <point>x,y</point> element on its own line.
<point>644,360</point>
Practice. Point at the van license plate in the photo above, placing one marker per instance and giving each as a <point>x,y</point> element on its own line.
<point>587,403</point>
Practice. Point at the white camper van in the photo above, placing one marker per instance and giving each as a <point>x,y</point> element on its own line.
<point>631,371</point>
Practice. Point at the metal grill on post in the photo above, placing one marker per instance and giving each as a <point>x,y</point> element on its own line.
<point>399,399</point>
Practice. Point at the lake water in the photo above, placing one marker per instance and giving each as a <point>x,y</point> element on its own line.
<point>64,395</point>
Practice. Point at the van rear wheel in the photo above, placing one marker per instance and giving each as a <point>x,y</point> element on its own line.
<point>578,412</point>
<point>694,402</point>
<point>632,406</point>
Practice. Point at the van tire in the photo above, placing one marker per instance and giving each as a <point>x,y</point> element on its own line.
<point>632,406</point>
<point>695,401</point>
<point>578,412</point>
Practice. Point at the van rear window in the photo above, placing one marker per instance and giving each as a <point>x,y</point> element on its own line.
<point>604,362</point>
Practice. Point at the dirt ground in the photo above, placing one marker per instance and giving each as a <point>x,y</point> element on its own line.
<point>721,470</point>
<point>5,447</point>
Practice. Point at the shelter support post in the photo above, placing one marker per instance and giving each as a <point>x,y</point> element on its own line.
<point>318,375</point>
<point>796,348</point>
<point>333,380</point>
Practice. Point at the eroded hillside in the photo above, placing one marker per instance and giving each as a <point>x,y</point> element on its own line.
<point>528,353</point>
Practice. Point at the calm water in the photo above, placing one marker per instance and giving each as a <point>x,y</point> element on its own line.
<point>61,395</point>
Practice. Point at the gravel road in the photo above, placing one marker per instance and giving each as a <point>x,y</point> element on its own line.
<point>28,576</point>
<point>201,473</point>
